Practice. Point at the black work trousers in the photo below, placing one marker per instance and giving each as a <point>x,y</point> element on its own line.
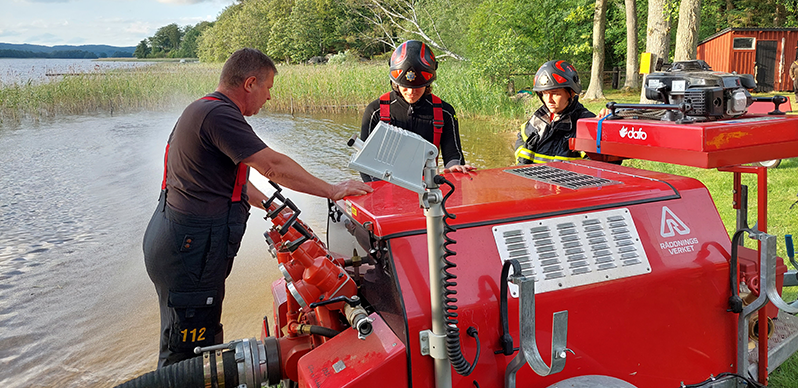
<point>188,259</point>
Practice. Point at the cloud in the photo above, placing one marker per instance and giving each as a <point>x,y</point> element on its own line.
<point>139,28</point>
<point>48,1</point>
<point>183,2</point>
<point>47,38</point>
<point>9,33</point>
<point>76,40</point>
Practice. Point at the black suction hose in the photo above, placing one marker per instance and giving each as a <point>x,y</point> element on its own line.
<point>187,374</point>
<point>459,363</point>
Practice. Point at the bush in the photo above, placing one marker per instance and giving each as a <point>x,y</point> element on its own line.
<point>344,58</point>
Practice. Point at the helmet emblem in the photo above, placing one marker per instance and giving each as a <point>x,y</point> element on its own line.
<point>410,75</point>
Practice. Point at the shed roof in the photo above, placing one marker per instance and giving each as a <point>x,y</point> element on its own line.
<point>731,29</point>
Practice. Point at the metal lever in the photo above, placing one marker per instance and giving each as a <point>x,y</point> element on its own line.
<point>353,301</point>
<point>776,100</point>
<point>529,353</point>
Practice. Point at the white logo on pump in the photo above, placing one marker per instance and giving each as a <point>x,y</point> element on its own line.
<point>632,133</point>
<point>670,224</point>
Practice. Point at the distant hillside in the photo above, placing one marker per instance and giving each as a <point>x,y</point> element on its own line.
<point>34,51</point>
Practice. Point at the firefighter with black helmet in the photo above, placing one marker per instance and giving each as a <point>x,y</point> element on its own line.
<point>544,137</point>
<point>412,106</point>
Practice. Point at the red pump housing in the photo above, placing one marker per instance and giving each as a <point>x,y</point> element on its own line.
<point>663,326</point>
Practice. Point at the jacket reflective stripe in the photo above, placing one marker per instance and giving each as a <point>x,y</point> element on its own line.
<point>524,136</point>
<point>525,153</point>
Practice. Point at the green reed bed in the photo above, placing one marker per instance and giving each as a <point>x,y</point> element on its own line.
<point>346,87</point>
<point>336,88</point>
<point>331,88</point>
<point>157,87</point>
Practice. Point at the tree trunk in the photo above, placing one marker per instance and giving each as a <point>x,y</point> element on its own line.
<point>657,35</point>
<point>779,15</point>
<point>631,46</point>
<point>729,17</point>
<point>594,91</point>
<point>687,31</point>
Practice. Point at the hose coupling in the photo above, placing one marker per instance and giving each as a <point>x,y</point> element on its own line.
<point>359,320</point>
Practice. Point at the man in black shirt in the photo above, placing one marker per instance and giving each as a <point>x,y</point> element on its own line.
<point>196,229</point>
<point>412,106</point>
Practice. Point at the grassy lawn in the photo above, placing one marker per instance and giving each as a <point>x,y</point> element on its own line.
<point>782,217</point>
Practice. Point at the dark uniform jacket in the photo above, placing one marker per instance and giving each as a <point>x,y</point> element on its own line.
<point>417,118</point>
<point>542,141</point>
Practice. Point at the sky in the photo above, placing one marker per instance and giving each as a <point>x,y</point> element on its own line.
<point>110,22</point>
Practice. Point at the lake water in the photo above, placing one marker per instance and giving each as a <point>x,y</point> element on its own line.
<point>76,306</point>
<point>36,70</point>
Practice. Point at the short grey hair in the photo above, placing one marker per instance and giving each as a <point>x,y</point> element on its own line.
<point>245,63</point>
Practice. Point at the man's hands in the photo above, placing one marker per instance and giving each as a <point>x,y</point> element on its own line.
<point>460,168</point>
<point>347,188</point>
<point>603,112</point>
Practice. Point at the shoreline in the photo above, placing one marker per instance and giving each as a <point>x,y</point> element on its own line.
<point>154,60</point>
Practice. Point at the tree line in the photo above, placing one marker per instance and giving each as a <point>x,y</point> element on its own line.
<point>172,41</point>
<point>496,38</point>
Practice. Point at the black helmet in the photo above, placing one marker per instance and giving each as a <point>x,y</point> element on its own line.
<point>413,65</point>
<point>556,75</point>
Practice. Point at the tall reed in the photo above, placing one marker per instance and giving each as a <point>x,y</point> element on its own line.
<point>157,87</point>
<point>298,88</point>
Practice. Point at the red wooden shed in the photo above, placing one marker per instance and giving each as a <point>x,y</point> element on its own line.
<point>767,53</point>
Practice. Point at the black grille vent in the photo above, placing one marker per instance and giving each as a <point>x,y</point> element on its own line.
<point>564,178</point>
<point>698,101</point>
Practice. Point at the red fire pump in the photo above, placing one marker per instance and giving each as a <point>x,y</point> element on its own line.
<point>568,274</point>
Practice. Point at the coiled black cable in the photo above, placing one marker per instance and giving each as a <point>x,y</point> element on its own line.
<point>459,363</point>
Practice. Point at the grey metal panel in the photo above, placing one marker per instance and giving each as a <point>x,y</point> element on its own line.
<point>564,178</point>
<point>574,250</point>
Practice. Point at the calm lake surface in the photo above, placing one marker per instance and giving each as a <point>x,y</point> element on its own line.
<point>76,306</point>
<point>36,70</point>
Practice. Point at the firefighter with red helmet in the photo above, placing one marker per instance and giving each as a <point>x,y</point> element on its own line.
<point>412,106</point>
<point>544,137</point>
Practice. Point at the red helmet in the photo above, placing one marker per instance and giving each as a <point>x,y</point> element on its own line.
<point>413,65</point>
<point>556,75</point>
